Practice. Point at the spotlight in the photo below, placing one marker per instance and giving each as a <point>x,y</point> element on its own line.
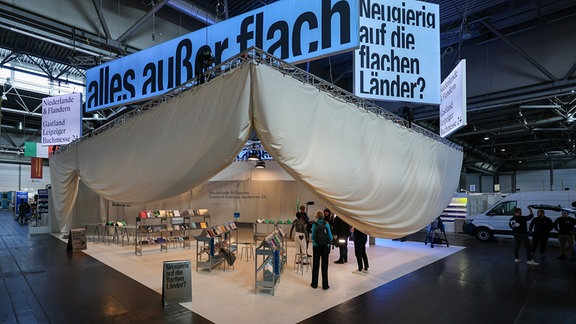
<point>260,165</point>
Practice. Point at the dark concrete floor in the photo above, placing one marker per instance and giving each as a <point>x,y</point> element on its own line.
<point>42,283</point>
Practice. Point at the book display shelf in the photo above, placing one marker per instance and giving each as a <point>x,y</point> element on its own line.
<point>217,245</point>
<point>168,228</point>
<point>263,227</point>
<point>270,260</point>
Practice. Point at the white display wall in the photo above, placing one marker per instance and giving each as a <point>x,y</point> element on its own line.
<point>268,193</point>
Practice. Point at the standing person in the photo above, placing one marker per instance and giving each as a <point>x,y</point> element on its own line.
<point>329,218</point>
<point>519,225</point>
<point>540,228</point>
<point>565,227</point>
<point>304,216</point>
<point>342,232</point>
<point>360,239</point>
<point>299,225</point>
<point>23,209</point>
<point>321,238</point>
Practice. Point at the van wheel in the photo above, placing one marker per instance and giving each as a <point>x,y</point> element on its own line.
<point>484,234</point>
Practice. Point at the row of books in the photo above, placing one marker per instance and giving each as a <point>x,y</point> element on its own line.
<point>270,221</point>
<point>172,213</point>
<point>185,226</point>
<point>174,227</point>
<point>274,240</point>
<point>163,240</point>
<point>218,230</point>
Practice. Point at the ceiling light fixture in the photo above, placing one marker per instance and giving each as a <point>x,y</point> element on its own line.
<point>254,156</point>
<point>260,165</point>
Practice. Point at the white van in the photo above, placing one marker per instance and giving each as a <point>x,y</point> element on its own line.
<point>495,220</point>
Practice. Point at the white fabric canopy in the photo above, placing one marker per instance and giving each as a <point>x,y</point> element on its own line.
<point>381,177</point>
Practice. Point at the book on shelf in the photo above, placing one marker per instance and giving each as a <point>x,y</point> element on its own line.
<point>176,213</point>
<point>203,225</point>
<point>281,231</point>
<point>143,214</point>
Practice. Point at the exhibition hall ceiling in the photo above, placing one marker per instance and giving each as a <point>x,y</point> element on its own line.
<point>521,68</point>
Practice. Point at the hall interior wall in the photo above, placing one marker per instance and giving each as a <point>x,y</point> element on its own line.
<point>16,177</point>
<point>539,180</point>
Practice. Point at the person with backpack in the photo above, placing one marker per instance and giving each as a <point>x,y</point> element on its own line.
<point>321,240</point>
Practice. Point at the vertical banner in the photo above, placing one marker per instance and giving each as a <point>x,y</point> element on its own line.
<point>177,282</point>
<point>61,119</point>
<point>399,54</point>
<point>36,168</point>
<point>453,106</point>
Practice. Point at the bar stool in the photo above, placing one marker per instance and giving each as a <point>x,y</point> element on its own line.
<point>248,250</point>
<point>301,260</point>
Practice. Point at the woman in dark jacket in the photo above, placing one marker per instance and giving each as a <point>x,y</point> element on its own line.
<point>360,240</point>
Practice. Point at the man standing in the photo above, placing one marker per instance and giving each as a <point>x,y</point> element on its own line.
<point>565,227</point>
<point>519,225</point>
<point>540,228</point>
<point>342,232</point>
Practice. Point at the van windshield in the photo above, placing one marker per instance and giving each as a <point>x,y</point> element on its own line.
<point>503,208</point>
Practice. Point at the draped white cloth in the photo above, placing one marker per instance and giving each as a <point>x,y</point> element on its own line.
<point>381,177</point>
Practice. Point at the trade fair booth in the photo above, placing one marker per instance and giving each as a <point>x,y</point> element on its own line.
<point>378,175</point>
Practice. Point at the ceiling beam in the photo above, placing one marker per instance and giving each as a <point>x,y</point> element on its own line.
<point>519,50</point>
<point>27,23</point>
<point>141,21</point>
<point>98,8</point>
